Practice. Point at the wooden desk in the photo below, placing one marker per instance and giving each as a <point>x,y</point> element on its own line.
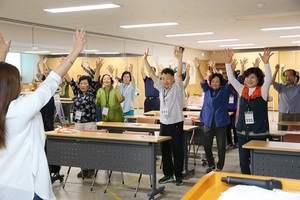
<point>106,151</point>
<point>288,123</point>
<point>134,117</point>
<point>194,108</point>
<point>121,126</point>
<point>279,159</point>
<point>210,185</point>
<point>185,113</point>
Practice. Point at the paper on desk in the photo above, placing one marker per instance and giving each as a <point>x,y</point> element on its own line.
<point>246,192</point>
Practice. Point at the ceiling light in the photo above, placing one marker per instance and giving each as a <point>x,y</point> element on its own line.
<point>295,42</point>
<point>149,25</point>
<point>107,53</point>
<point>235,45</point>
<point>90,50</point>
<point>82,8</point>
<point>288,36</point>
<point>256,47</point>
<point>280,28</point>
<point>38,52</point>
<point>189,34</point>
<point>221,40</point>
<point>62,53</point>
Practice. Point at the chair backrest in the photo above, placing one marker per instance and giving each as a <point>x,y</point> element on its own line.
<point>291,138</point>
<point>157,113</point>
<point>293,128</point>
<point>146,120</point>
<point>136,133</point>
<point>188,121</point>
<point>96,131</point>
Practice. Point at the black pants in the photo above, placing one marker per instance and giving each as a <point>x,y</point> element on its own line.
<point>173,146</point>
<point>220,133</point>
<point>151,103</point>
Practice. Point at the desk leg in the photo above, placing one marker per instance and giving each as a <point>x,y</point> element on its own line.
<point>186,170</point>
<point>154,190</point>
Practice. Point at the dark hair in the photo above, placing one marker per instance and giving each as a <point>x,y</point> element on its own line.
<point>88,78</point>
<point>291,70</point>
<point>124,73</point>
<point>214,75</point>
<point>111,79</point>
<point>10,87</point>
<point>258,72</point>
<point>168,71</point>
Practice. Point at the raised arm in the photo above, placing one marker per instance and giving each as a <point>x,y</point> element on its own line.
<point>150,71</point>
<point>143,70</point>
<point>178,52</point>
<point>227,55</point>
<point>46,64</point>
<point>268,75</point>
<point>275,74</point>
<point>131,72</point>
<point>79,40</point>
<point>188,77</point>
<point>281,74</point>
<point>120,97</point>
<point>243,64</point>
<point>99,64</point>
<point>4,48</point>
<point>212,65</point>
<point>256,63</point>
<point>198,71</point>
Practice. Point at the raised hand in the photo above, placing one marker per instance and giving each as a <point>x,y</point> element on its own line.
<point>178,52</point>
<point>277,67</point>
<point>211,63</point>
<point>45,60</point>
<point>79,40</point>
<point>130,67</point>
<point>4,48</point>
<point>244,62</point>
<point>187,69</point>
<point>227,55</point>
<point>256,63</point>
<point>196,62</point>
<point>234,64</point>
<point>266,56</point>
<point>110,69</point>
<point>146,54</point>
<point>99,63</point>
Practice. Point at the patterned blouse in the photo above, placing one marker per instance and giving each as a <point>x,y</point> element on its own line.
<point>84,103</point>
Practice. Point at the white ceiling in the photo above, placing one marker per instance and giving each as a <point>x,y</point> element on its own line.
<point>218,16</point>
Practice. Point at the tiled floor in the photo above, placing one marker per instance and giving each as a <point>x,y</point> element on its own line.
<point>77,189</point>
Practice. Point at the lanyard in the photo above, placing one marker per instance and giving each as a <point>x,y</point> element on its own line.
<point>107,98</point>
<point>165,93</point>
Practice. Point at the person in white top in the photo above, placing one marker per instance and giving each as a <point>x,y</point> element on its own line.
<point>127,88</point>
<point>24,168</point>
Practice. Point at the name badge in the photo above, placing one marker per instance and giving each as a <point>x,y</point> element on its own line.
<point>164,112</point>
<point>231,99</point>
<point>105,111</point>
<point>249,117</point>
<point>78,114</point>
